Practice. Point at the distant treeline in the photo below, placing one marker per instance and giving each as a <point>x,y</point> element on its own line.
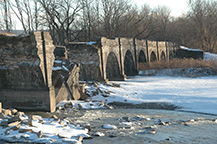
<point>86,20</point>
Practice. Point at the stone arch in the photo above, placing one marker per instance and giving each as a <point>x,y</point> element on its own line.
<point>153,57</point>
<point>112,67</point>
<point>129,65</point>
<point>142,61</point>
<point>142,57</point>
<point>163,56</point>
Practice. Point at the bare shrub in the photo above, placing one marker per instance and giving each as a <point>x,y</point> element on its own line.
<point>179,63</point>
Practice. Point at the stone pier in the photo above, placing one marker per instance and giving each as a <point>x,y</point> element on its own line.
<point>26,64</point>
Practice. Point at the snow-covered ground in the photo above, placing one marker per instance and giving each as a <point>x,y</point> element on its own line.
<point>210,56</point>
<point>192,94</point>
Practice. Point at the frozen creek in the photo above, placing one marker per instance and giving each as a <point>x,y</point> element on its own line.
<point>146,126</point>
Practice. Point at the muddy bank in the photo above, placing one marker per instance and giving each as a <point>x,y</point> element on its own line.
<point>152,105</point>
<point>147,126</point>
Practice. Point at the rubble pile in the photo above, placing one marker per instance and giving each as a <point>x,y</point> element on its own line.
<point>87,92</point>
<point>16,126</point>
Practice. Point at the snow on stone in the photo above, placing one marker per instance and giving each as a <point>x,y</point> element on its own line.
<point>90,43</point>
<point>58,61</point>
<point>53,132</point>
<point>99,134</point>
<point>57,68</point>
<point>60,68</point>
<point>127,123</point>
<point>185,48</point>
<point>65,68</point>
<point>82,104</point>
<point>109,126</point>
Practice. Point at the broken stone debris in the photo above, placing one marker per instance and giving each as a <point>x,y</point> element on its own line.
<point>99,134</point>
<point>7,112</point>
<point>14,122</point>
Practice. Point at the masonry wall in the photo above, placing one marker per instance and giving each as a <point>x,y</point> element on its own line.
<point>66,81</point>
<point>26,72</point>
<point>111,47</point>
<point>89,58</point>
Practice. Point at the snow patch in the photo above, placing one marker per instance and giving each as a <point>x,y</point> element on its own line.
<point>90,43</point>
<point>109,126</point>
<point>51,130</point>
<point>83,105</point>
<point>210,56</point>
<point>191,94</point>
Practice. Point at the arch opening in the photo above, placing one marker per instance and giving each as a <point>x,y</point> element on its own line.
<point>112,67</point>
<point>129,66</point>
<point>142,61</point>
<point>153,57</point>
<point>142,58</point>
<point>163,56</point>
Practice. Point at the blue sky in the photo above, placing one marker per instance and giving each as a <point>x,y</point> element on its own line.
<point>177,6</point>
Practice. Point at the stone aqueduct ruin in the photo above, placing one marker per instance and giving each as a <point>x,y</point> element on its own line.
<point>31,78</point>
<point>113,59</point>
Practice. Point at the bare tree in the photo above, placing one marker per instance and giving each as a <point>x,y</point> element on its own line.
<point>6,22</point>
<point>162,21</point>
<point>203,19</point>
<point>112,12</point>
<point>60,17</point>
<point>142,24</point>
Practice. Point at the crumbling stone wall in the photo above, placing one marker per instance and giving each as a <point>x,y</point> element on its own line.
<point>26,72</point>
<point>66,80</point>
<point>19,63</point>
<point>113,59</point>
<point>89,57</point>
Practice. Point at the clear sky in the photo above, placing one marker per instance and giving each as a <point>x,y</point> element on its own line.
<point>177,6</point>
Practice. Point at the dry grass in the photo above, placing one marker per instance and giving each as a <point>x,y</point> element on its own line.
<point>8,34</point>
<point>179,63</point>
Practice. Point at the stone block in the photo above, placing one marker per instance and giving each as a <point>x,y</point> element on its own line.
<point>16,127</point>
<point>83,95</point>
<point>4,123</point>
<point>7,112</point>
<point>13,124</point>
<point>2,116</point>
<point>40,134</point>
<point>25,130</point>
<point>14,119</point>
<point>13,111</point>
<point>82,87</point>
<point>54,117</point>
<point>20,113</point>
<point>35,117</point>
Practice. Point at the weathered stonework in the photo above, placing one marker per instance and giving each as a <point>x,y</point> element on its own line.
<point>113,59</point>
<point>26,72</point>
<point>66,83</point>
<point>89,58</point>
